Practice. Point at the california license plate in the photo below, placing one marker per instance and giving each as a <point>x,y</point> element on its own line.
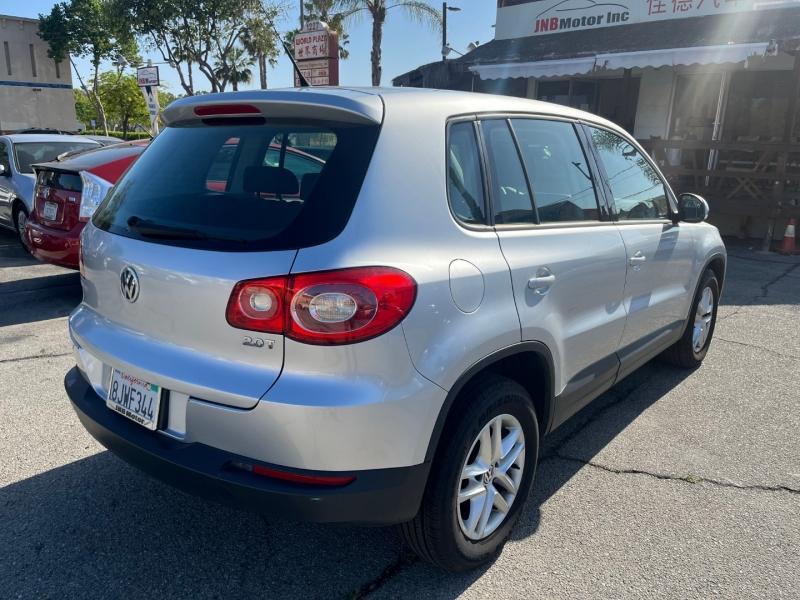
<point>134,398</point>
<point>50,211</point>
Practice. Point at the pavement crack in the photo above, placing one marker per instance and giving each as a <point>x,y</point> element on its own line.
<point>691,479</point>
<point>757,347</point>
<point>764,292</point>
<point>33,357</point>
<point>404,559</point>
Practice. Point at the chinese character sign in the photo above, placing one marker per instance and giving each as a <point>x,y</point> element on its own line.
<point>316,50</point>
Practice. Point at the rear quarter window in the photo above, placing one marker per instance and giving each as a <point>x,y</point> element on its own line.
<point>242,187</point>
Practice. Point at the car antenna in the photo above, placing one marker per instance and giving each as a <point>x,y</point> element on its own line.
<point>300,76</point>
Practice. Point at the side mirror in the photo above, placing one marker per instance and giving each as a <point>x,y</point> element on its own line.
<point>692,208</point>
<point>4,172</point>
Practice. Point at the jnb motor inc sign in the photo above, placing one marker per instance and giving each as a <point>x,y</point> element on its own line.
<point>523,18</point>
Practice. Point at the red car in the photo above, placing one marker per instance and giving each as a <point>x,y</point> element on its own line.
<point>67,193</point>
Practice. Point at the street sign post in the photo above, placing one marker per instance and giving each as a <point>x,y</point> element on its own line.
<point>316,50</point>
<point>148,80</point>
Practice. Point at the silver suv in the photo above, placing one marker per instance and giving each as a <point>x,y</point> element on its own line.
<point>370,305</point>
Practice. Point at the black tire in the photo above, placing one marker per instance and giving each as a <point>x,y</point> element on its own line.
<point>20,210</point>
<point>682,353</point>
<point>435,534</point>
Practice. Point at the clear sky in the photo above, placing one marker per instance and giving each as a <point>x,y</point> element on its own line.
<point>405,44</point>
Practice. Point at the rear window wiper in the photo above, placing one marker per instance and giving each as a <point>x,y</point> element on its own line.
<point>150,229</point>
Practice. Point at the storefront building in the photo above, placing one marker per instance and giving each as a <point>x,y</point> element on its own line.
<point>709,87</point>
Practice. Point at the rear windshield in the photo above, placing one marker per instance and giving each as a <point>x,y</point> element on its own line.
<point>60,180</point>
<point>30,153</point>
<point>242,187</point>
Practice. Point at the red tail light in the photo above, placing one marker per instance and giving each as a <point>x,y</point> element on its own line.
<point>226,109</point>
<point>329,307</point>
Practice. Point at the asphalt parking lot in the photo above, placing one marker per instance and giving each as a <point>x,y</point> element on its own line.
<point>673,484</point>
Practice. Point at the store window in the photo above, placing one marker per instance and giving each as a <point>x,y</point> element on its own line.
<point>757,106</point>
<point>695,106</point>
<point>577,94</point>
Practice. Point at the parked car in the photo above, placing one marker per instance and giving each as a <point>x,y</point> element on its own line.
<point>390,345</point>
<point>67,193</point>
<point>18,154</point>
<point>105,140</point>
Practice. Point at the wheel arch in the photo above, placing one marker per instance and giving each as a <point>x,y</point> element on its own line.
<point>528,363</point>
<point>716,263</point>
<point>16,204</point>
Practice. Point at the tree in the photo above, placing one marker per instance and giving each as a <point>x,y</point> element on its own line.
<point>236,70</point>
<point>422,12</point>
<point>199,35</point>
<point>85,110</point>
<point>88,29</point>
<point>124,101</point>
<point>260,41</point>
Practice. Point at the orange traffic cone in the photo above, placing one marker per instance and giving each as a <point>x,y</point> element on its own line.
<point>788,246</point>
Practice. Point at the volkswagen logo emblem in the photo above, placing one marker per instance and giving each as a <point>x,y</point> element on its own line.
<point>129,283</point>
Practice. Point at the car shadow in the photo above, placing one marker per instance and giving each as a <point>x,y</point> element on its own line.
<point>97,527</point>
<point>39,298</point>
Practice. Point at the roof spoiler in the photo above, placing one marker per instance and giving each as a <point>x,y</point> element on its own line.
<point>363,109</point>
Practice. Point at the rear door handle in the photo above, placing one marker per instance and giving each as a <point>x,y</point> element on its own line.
<point>542,282</point>
<point>637,259</point>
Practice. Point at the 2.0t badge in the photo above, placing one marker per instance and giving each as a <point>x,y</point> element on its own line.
<point>129,283</point>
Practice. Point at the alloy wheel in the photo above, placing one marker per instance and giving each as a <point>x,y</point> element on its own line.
<point>702,319</point>
<point>490,477</point>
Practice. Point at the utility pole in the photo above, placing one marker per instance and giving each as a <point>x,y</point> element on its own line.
<point>445,9</point>
<point>444,30</point>
<point>302,14</point>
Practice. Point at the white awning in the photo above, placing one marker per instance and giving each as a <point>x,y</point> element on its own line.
<point>542,68</point>
<point>698,55</point>
<point>668,57</point>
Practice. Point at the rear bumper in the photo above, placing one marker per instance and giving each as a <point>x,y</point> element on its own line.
<point>376,497</point>
<point>54,246</point>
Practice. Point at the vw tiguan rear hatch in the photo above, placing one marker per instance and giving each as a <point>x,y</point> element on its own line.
<point>227,196</point>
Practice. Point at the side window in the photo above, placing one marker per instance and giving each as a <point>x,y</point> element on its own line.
<point>638,191</point>
<point>512,202</point>
<point>464,182</point>
<point>560,178</point>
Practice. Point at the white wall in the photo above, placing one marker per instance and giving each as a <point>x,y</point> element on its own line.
<point>652,109</point>
<point>32,98</point>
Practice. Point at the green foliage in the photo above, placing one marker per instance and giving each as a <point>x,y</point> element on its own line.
<point>89,29</point>
<point>86,28</point>
<point>204,37</point>
<point>123,100</point>
<point>85,110</point>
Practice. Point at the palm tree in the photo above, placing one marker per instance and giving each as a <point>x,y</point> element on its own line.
<point>235,69</point>
<point>328,12</point>
<point>259,39</point>
<point>421,12</point>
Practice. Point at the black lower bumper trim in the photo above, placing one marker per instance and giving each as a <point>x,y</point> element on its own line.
<point>376,497</point>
